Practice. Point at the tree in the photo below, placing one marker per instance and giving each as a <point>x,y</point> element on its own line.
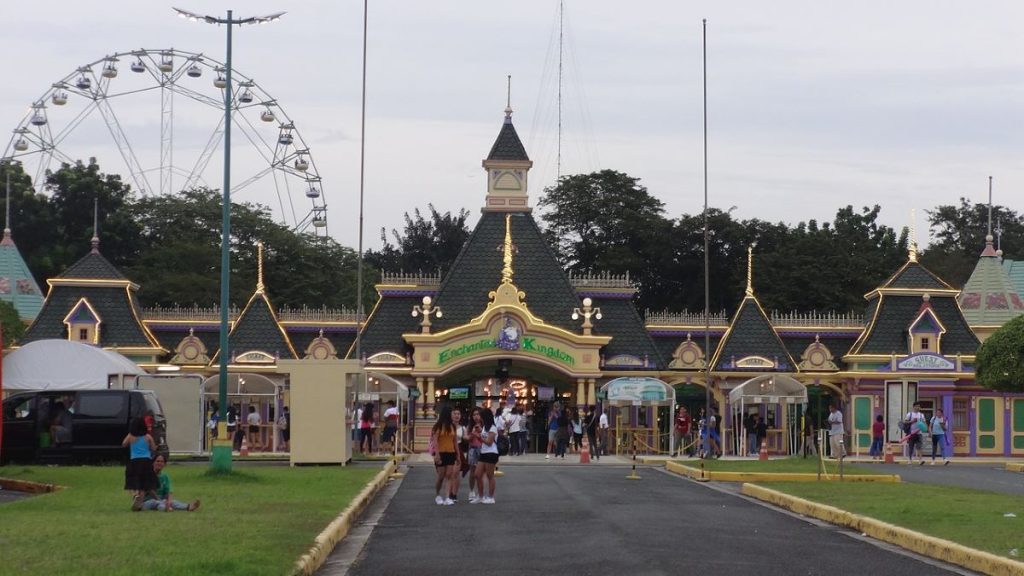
<point>1000,361</point>
<point>607,222</point>
<point>10,322</point>
<point>959,233</point>
<point>424,244</point>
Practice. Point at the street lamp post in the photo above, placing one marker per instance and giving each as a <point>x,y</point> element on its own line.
<point>221,457</point>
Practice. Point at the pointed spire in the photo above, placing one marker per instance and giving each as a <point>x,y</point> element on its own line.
<point>507,271</point>
<point>750,270</point>
<point>259,267</point>
<point>96,225</point>
<point>508,102</point>
<point>912,249</point>
<point>989,250</point>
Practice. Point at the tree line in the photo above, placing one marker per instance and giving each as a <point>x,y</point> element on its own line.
<point>606,221</point>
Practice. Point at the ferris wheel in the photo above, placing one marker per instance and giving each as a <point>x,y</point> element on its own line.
<point>162,124</point>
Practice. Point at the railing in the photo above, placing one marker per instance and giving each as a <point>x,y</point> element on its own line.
<point>665,318</point>
<point>601,280</point>
<point>825,319</point>
<point>307,314</point>
<point>193,313</point>
<point>417,279</point>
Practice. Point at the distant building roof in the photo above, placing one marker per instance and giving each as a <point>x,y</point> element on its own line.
<point>17,285</point>
<point>989,297</point>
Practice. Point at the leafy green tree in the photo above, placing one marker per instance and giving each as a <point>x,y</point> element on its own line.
<point>33,225</point>
<point>959,233</point>
<point>607,222</point>
<point>10,323</point>
<point>425,244</point>
<point>73,191</point>
<point>1000,360</point>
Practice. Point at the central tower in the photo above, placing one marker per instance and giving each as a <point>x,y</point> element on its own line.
<point>507,166</point>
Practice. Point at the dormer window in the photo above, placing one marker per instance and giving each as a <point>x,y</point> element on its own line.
<point>924,344</point>
<point>926,330</point>
<point>83,323</point>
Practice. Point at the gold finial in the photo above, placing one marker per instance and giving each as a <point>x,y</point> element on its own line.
<point>259,266</point>
<point>506,271</point>
<point>912,255</point>
<point>750,270</point>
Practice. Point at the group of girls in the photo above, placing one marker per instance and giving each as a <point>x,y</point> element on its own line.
<point>464,449</point>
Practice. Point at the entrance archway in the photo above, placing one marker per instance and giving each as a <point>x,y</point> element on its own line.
<point>245,390</point>
<point>781,400</point>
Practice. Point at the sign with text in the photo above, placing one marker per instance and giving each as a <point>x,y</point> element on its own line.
<point>926,361</point>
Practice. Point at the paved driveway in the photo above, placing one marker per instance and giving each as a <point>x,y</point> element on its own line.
<point>557,520</point>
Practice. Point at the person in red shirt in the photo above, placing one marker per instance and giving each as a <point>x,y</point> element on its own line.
<point>682,431</point>
<point>877,436</point>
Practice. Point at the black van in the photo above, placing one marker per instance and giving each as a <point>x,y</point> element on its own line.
<point>76,426</point>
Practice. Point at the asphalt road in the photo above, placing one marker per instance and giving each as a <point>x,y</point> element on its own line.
<point>592,520</point>
<point>991,477</point>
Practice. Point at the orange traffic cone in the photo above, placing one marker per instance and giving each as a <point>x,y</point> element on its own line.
<point>245,447</point>
<point>763,455</point>
<point>888,454</point>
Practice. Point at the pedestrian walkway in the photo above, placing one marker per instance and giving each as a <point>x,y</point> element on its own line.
<point>575,519</point>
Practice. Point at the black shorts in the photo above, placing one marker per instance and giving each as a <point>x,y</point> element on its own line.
<point>447,459</point>
<point>389,434</point>
<point>489,458</point>
<point>254,429</point>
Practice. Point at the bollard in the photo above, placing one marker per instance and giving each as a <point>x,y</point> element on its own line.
<point>763,455</point>
<point>244,451</point>
<point>394,454</point>
<point>888,454</point>
<point>633,475</point>
<point>585,452</point>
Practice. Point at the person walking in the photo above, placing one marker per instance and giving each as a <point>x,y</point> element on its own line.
<point>590,425</point>
<point>938,427</point>
<point>556,408</point>
<point>562,433</point>
<point>912,429</point>
<point>442,438</point>
<point>602,432</point>
<point>253,422</point>
<point>577,430</point>
<point>750,427</point>
<point>760,433</point>
<point>515,431</point>
<point>366,423</point>
<point>877,436</point>
<point>835,432</point>
<point>681,431</point>
<point>488,456</point>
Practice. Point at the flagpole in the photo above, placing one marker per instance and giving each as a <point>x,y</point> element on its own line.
<point>707,256</point>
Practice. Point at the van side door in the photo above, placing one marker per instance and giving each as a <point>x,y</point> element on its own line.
<point>21,429</point>
<point>100,423</point>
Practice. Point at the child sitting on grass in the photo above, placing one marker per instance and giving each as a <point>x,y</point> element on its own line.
<point>162,500</point>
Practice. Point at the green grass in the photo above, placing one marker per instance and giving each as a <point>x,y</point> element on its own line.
<point>257,520</point>
<point>795,464</point>
<point>970,517</point>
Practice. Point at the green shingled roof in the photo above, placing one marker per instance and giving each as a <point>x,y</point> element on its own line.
<point>17,285</point>
<point>508,146</point>
<point>257,329</point>
<point>1015,271</point>
<point>988,297</point>
<point>752,334</point>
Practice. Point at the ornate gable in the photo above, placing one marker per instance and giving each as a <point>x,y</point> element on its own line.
<point>688,356</point>
<point>190,350</point>
<point>320,348</point>
<point>817,357</point>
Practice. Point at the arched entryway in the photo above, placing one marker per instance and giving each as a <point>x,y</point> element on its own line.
<point>778,399</point>
<point>245,391</point>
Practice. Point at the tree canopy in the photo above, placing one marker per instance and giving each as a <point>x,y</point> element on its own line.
<point>959,237</point>
<point>1000,361</point>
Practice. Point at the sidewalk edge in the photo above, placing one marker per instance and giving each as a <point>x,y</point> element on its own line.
<point>923,544</point>
<point>721,476</point>
<point>324,543</point>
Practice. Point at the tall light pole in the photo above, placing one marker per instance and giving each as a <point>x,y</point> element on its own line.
<point>362,180</point>
<point>221,457</point>
<point>707,254</point>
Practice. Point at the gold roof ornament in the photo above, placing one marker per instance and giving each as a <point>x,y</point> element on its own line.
<point>507,292</point>
<point>259,267</point>
<point>912,249</point>
<point>750,270</point>
<point>507,271</point>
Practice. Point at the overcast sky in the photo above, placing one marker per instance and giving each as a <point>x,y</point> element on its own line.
<point>812,105</point>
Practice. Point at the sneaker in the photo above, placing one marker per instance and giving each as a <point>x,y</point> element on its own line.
<point>487,500</point>
<point>448,502</point>
<point>472,495</point>
<point>439,500</point>
<point>921,463</point>
<point>945,462</point>
<point>547,456</point>
<point>474,500</point>
<point>137,503</point>
<point>192,507</point>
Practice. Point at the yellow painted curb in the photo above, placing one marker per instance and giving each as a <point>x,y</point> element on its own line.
<point>923,544</point>
<point>325,542</point>
<point>1015,467</point>
<point>720,476</point>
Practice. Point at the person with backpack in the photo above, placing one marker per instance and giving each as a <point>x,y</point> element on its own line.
<point>938,427</point>
<point>912,433</point>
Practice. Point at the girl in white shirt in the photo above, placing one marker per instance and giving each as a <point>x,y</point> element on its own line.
<point>488,456</point>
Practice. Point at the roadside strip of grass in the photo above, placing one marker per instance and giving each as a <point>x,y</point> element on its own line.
<point>784,469</point>
<point>257,520</point>
<point>978,520</point>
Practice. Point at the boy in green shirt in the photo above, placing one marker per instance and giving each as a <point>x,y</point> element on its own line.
<point>161,500</point>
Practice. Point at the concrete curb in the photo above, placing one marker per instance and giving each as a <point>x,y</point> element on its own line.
<point>28,486</point>
<point>325,542</point>
<point>923,544</point>
<point>720,476</point>
<point>1015,467</point>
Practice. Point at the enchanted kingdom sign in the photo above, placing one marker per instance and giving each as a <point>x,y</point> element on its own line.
<point>508,340</point>
<point>925,361</point>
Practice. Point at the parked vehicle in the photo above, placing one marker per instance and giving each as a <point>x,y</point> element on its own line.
<point>76,426</point>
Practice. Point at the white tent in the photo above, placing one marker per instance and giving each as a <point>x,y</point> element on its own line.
<point>64,365</point>
<point>778,389</point>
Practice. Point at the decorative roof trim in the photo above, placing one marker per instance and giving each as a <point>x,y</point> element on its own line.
<point>913,292</point>
<point>98,320</point>
<point>273,315</point>
<point>725,338</point>
<point>362,330</point>
<point>138,319</point>
<point>91,282</point>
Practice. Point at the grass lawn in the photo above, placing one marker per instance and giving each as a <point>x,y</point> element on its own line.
<point>258,520</point>
<point>796,464</point>
<point>970,517</point>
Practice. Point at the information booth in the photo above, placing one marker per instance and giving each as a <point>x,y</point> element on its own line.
<point>638,405</point>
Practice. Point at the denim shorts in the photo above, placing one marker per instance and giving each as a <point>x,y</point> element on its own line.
<point>474,455</point>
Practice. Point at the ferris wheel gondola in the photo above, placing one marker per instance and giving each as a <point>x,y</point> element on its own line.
<point>275,167</point>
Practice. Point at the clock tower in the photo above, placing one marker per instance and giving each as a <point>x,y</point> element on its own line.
<point>507,166</point>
